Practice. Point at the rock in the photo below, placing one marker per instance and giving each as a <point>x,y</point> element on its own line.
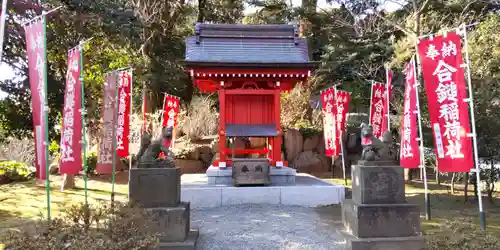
<point>320,148</point>
<point>206,158</point>
<point>123,164</point>
<point>4,179</point>
<point>310,162</point>
<point>215,146</point>
<point>54,168</point>
<point>255,156</point>
<point>204,149</point>
<point>190,166</point>
<point>257,142</point>
<point>214,158</point>
<point>311,143</point>
<point>239,143</point>
<point>293,144</point>
<point>54,165</point>
<point>68,182</point>
<point>194,153</point>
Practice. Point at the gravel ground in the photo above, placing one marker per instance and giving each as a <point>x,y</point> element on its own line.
<point>266,227</point>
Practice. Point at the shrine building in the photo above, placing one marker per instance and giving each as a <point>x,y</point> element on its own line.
<point>249,66</point>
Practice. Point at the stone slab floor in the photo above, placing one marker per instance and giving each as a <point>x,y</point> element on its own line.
<point>268,227</point>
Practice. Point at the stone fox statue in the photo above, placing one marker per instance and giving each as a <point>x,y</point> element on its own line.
<point>375,149</point>
<point>150,150</point>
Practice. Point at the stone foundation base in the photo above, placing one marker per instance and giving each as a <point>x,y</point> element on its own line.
<point>278,176</point>
<point>188,244</point>
<point>392,243</point>
<point>172,223</point>
<point>381,220</point>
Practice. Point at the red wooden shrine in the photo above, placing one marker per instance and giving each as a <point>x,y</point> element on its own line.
<point>248,66</point>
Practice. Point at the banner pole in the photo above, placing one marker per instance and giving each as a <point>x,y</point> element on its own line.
<point>46,116</point>
<point>371,100</point>
<point>343,155</point>
<point>341,138</point>
<point>113,173</point>
<point>83,112</point>
<point>130,118</point>
<point>163,110</point>
<point>388,98</point>
<point>482,215</point>
<point>2,27</point>
<point>421,140</point>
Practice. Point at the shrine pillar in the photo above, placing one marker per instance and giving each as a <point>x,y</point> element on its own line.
<point>222,129</point>
<point>277,140</point>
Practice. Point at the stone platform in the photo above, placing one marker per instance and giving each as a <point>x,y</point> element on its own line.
<point>283,175</point>
<point>306,190</point>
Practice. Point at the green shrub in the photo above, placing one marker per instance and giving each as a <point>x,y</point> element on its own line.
<point>16,171</point>
<point>54,149</point>
<point>91,162</point>
<point>81,227</point>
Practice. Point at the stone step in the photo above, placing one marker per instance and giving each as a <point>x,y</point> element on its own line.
<point>307,191</point>
<point>394,243</point>
<point>188,244</point>
<point>381,220</point>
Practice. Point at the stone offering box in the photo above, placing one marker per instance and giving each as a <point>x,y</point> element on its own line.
<point>378,217</point>
<point>250,171</point>
<point>158,191</point>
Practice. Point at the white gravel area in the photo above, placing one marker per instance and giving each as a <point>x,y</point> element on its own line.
<point>266,227</point>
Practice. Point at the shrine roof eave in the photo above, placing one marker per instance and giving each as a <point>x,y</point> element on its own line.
<point>235,65</point>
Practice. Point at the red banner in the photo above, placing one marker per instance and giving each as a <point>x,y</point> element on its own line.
<point>170,111</point>
<point>123,125</point>
<point>378,109</point>
<point>342,99</point>
<point>108,114</point>
<point>410,155</point>
<point>449,114</point>
<point>329,127</point>
<point>37,63</point>
<point>389,83</point>
<point>71,130</point>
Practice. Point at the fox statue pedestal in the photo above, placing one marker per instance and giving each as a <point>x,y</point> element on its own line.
<point>155,185</point>
<point>158,191</point>
<point>378,217</point>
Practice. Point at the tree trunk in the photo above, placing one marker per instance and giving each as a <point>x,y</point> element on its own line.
<point>201,11</point>
<point>475,189</point>
<point>438,179</point>
<point>491,190</point>
<point>491,187</point>
<point>466,188</point>
<point>68,182</point>
<point>453,183</point>
<point>407,174</point>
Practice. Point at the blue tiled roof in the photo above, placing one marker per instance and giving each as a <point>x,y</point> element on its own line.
<point>246,44</point>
